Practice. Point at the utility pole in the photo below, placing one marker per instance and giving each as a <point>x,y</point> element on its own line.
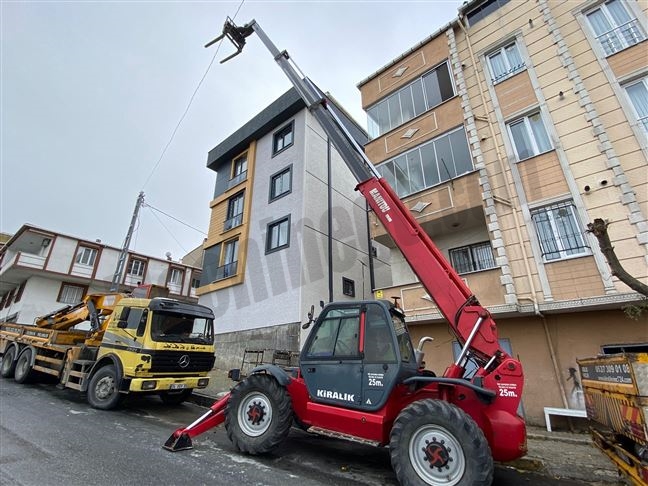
<point>114,286</point>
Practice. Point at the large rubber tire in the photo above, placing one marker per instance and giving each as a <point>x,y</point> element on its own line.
<point>433,442</point>
<point>175,398</point>
<point>8,363</point>
<point>258,415</point>
<point>23,372</point>
<point>103,390</point>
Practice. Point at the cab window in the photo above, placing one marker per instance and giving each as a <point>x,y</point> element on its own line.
<point>337,335</point>
<point>403,338</point>
<point>379,343</point>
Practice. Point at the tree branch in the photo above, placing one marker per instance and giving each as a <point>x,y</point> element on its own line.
<point>599,229</point>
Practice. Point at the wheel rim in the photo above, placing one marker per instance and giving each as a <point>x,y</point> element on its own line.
<point>436,456</point>
<point>104,388</point>
<point>255,414</point>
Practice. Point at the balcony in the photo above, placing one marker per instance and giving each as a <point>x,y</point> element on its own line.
<point>417,303</point>
<point>441,210</point>
<point>237,179</point>
<point>233,222</point>
<point>226,271</point>
<point>622,37</point>
<point>23,259</point>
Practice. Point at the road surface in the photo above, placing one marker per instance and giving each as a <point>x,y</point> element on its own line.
<point>53,437</point>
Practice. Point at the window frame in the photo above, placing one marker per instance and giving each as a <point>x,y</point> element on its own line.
<point>269,228</point>
<point>81,253</point>
<point>396,95</point>
<point>228,268</point>
<point>280,134</point>
<point>348,287</point>
<point>474,261</point>
<point>175,271</point>
<point>511,70</point>
<point>237,174</point>
<point>557,238</point>
<point>615,28</point>
<point>640,122</point>
<point>530,135</point>
<point>131,262</point>
<point>273,197</point>
<point>435,144</point>
<point>234,220</point>
<point>83,288</point>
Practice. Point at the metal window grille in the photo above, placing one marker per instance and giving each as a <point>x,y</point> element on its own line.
<point>558,231</point>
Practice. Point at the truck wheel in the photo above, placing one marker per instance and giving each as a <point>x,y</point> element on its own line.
<point>8,363</point>
<point>258,415</point>
<point>175,398</point>
<point>103,391</point>
<point>23,371</point>
<point>436,443</point>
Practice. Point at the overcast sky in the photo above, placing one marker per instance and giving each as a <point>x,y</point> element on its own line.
<point>92,91</point>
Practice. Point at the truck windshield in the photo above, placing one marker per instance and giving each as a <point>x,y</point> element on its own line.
<point>180,328</point>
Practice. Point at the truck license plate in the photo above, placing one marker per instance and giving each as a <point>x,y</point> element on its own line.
<point>177,386</point>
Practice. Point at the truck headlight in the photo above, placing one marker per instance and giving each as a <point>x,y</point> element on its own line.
<point>149,384</point>
<point>203,382</point>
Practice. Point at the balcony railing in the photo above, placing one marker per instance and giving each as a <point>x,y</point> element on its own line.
<point>624,36</point>
<point>233,222</point>
<point>237,179</point>
<point>226,271</point>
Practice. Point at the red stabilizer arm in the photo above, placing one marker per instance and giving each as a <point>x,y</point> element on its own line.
<point>181,438</point>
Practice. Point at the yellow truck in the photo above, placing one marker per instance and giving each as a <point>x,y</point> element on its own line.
<point>134,345</point>
<point>615,388</point>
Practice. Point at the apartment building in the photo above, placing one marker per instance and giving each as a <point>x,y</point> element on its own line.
<point>287,230</point>
<point>42,270</point>
<point>506,132</point>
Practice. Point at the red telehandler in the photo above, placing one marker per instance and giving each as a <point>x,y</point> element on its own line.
<point>359,376</point>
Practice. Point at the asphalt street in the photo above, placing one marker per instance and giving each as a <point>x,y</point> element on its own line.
<point>53,437</point>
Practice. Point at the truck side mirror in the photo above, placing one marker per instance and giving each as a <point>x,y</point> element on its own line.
<point>123,316</point>
<point>122,324</point>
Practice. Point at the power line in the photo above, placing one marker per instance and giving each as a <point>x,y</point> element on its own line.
<point>175,130</point>
<point>171,234</point>
<point>175,219</point>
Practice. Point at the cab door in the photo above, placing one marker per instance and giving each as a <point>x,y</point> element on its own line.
<point>331,362</point>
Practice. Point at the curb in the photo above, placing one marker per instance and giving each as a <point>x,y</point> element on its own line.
<point>204,400</point>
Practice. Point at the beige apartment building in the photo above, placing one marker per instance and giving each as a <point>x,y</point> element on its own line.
<point>506,132</point>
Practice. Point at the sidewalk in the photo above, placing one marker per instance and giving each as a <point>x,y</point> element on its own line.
<point>555,454</point>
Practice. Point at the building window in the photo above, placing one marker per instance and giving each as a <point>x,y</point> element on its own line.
<point>529,136</point>
<point>229,262</point>
<point>428,91</point>
<point>86,256</point>
<point>136,267</point>
<point>278,235</point>
<point>175,276</point>
<point>195,282</point>
<point>239,171</point>
<point>638,94</point>
<point>505,62</point>
<point>484,10</point>
<point>71,294</point>
<point>472,258</point>
<point>281,183</point>
<point>428,165</point>
<point>282,139</point>
<point>234,211</point>
<point>348,287</point>
<point>558,231</point>
<point>20,291</point>
<point>615,27</point>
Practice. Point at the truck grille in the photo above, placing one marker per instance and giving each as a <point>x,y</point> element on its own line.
<point>181,361</point>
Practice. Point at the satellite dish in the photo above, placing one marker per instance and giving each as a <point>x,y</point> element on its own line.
<point>168,255</point>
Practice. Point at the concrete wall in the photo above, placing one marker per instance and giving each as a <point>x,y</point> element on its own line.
<point>231,346</point>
